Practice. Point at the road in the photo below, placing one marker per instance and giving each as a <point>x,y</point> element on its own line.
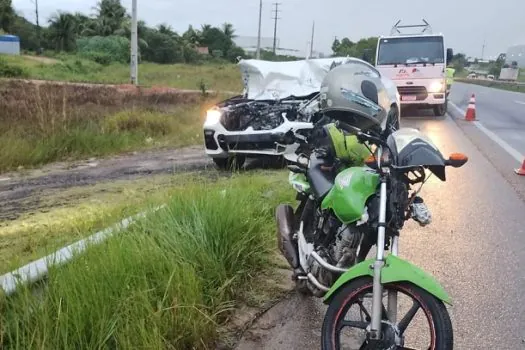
<point>475,245</point>
<point>503,112</point>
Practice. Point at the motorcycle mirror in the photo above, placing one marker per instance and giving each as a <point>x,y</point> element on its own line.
<point>456,160</point>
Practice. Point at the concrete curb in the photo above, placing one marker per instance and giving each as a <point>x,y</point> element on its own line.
<point>39,269</point>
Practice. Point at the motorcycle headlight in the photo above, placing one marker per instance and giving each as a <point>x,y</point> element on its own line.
<point>436,86</point>
<point>213,116</point>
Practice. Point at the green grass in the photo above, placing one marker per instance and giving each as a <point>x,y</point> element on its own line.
<point>494,84</point>
<point>166,283</point>
<point>219,77</point>
<point>26,144</point>
<point>52,219</point>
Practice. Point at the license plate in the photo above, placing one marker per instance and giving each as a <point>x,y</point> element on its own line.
<point>409,98</point>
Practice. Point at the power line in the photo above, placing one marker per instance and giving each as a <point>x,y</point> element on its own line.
<point>275,18</point>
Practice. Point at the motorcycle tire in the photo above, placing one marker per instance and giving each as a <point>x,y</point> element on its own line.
<point>435,311</point>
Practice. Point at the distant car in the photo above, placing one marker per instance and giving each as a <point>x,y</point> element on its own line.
<point>472,76</point>
<point>279,98</point>
<point>490,77</point>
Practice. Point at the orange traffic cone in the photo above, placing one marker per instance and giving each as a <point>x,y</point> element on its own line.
<point>521,171</point>
<point>470,115</point>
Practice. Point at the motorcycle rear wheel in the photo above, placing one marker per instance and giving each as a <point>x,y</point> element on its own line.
<point>434,310</point>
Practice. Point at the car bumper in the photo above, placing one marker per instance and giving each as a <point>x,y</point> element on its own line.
<point>220,143</point>
<point>428,99</point>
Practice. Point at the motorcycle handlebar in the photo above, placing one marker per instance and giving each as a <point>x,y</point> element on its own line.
<point>361,136</point>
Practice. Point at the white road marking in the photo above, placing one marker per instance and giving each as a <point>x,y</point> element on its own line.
<point>508,148</point>
<point>520,102</point>
<point>5,179</point>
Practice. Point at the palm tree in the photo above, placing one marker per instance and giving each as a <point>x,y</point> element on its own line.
<point>227,29</point>
<point>63,28</point>
<point>110,15</point>
<point>166,29</point>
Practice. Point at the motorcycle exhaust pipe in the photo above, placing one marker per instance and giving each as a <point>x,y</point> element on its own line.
<point>284,218</point>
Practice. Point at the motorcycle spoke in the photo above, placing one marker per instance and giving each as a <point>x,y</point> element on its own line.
<point>364,310</point>
<point>354,324</point>
<point>405,321</point>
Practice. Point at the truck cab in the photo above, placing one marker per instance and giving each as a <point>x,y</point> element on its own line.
<point>417,65</point>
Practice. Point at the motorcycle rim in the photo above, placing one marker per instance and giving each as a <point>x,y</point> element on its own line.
<point>431,309</point>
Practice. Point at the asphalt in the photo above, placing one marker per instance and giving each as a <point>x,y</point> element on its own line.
<point>475,247</point>
<point>502,112</point>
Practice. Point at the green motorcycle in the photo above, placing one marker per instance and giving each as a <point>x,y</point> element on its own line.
<point>342,214</point>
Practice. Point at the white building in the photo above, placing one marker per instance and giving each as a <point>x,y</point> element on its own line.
<point>9,45</point>
<point>516,53</point>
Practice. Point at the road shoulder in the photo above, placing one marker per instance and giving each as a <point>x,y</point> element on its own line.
<point>502,161</point>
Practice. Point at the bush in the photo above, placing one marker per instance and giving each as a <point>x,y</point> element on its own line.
<point>105,49</point>
<point>11,71</point>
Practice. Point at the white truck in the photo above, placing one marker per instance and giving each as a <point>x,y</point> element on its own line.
<point>416,62</point>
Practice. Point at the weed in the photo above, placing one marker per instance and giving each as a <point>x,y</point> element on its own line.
<point>166,283</point>
<point>43,123</point>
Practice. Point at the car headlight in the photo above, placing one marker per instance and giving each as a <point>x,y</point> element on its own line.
<point>213,116</point>
<point>436,86</point>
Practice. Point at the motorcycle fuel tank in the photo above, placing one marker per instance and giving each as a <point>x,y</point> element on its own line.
<point>348,196</point>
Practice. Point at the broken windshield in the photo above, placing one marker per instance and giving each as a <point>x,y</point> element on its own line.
<point>411,50</point>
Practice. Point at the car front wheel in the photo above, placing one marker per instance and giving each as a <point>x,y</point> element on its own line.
<point>230,163</point>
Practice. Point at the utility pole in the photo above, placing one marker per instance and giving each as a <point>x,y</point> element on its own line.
<point>258,54</point>
<point>134,45</point>
<point>38,31</point>
<point>483,49</point>
<point>276,11</point>
<point>312,40</point>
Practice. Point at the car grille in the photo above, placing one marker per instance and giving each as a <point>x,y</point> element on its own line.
<point>419,91</point>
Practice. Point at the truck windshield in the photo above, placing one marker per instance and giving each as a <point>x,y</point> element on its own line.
<point>429,49</point>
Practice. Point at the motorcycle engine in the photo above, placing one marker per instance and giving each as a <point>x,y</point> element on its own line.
<point>342,253</point>
<point>344,249</point>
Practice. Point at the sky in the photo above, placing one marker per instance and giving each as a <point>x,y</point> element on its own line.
<point>466,24</point>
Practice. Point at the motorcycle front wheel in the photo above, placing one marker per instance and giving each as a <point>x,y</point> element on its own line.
<point>421,306</point>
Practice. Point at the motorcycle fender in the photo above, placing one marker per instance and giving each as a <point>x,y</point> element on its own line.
<point>395,270</point>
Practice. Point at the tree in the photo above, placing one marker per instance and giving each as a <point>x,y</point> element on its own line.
<point>229,32</point>
<point>110,17</point>
<point>364,49</point>
<point>7,15</point>
<point>335,45</point>
<point>191,36</point>
<point>163,48</point>
<point>62,30</point>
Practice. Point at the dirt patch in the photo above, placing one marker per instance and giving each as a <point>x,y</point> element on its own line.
<point>23,191</point>
<point>41,59</point>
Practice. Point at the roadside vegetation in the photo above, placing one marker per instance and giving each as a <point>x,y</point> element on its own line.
<point>53,219</point>
<point>71,68</point>
<point>495,84</point>
<point>168,282</point>
<point>42,123</point>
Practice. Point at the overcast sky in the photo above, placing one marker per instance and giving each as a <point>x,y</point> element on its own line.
<point>465,23</point>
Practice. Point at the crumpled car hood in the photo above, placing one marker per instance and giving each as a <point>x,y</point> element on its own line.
<point>267,80</point>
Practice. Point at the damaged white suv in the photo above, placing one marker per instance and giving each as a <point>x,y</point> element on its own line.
<point>278,98</point>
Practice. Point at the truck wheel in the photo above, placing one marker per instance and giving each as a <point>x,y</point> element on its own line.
<point>440,110</point>
<point>230,163</point>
